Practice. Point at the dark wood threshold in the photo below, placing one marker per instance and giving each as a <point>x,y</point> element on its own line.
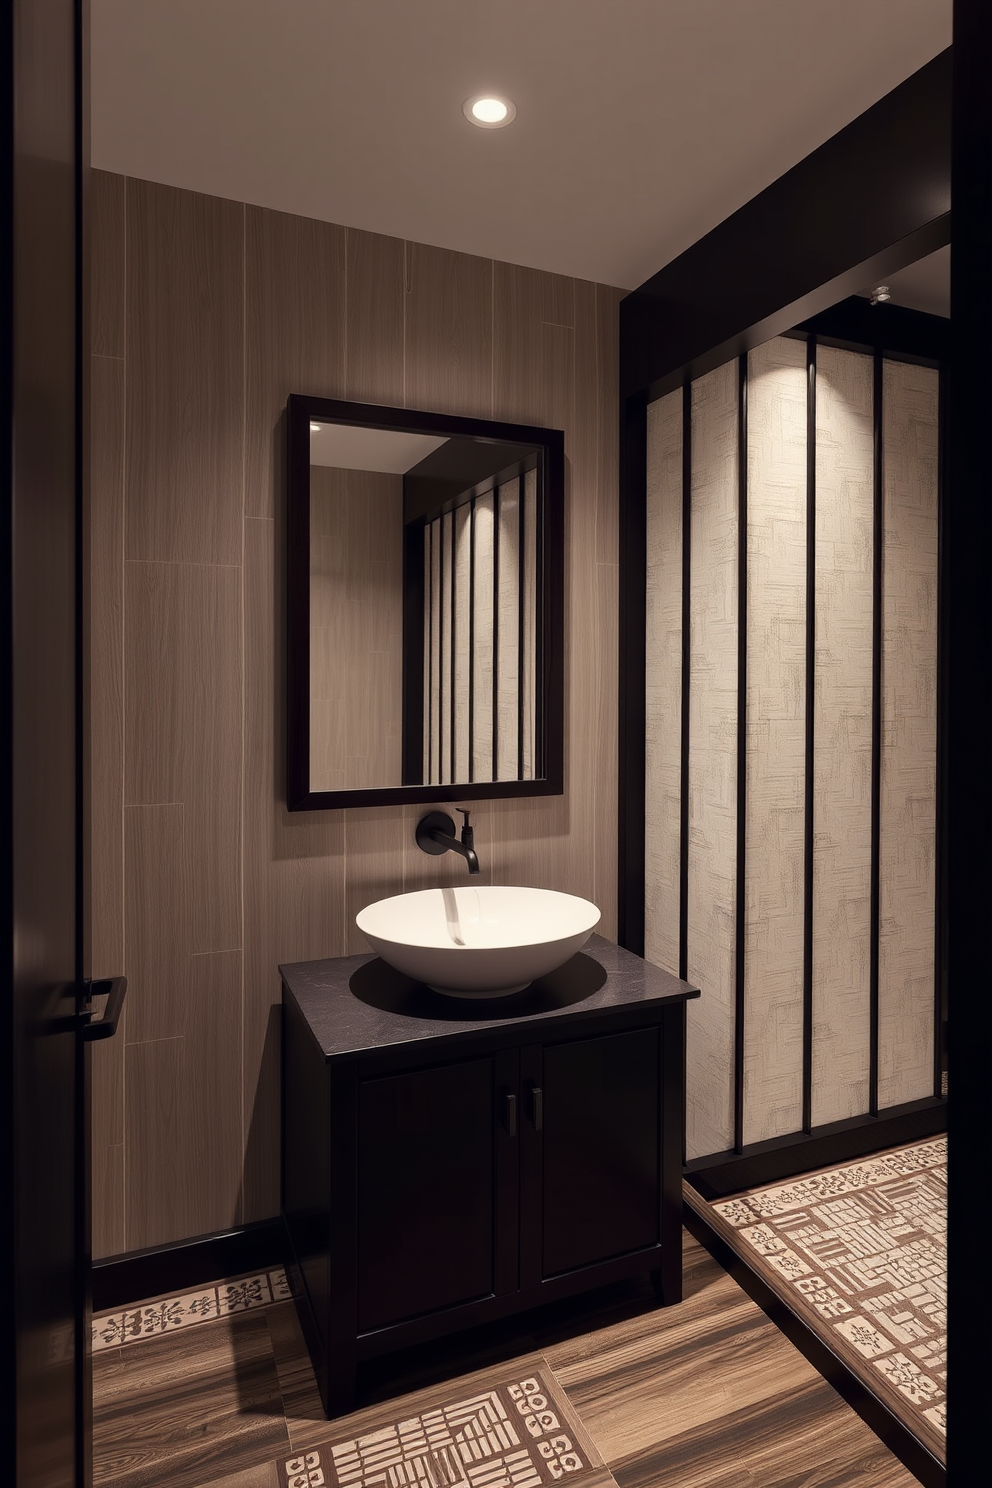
<point>875,1414</point>
<point>724,1173</point>
<point>166,1269</point>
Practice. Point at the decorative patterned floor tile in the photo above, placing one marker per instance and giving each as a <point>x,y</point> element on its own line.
<point>514,1433</point>
<point>166,1314</point>
<point>861,1251</point>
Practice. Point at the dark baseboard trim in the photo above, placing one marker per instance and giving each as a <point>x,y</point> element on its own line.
<point>123,1279</point>
<point>887,1427</point>
<point>724,1173</point>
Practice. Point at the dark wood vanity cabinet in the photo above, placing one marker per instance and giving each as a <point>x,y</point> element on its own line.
<point>446,1163</point>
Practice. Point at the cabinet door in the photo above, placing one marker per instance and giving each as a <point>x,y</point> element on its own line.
<point>433,1155</point>
<point>591,1179</point>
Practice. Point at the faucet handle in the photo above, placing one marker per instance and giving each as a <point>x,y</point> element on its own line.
<point>465,811</point>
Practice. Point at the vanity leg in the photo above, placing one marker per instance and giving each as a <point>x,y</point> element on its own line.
<point>339,1395</point>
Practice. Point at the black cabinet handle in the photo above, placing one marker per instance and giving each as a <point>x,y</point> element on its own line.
<point>537,1106</point>
<point>510,1113</point>
<point>106,1027</point>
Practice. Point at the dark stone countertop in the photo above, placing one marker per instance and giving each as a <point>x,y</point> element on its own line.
<point>356,1005</point>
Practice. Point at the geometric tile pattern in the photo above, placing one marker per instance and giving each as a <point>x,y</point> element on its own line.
<point>166,1314</point>
<point>510,1436</point>
<point>863,1249</point>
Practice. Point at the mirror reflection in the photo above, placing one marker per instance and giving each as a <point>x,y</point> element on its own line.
<point>429,585</point>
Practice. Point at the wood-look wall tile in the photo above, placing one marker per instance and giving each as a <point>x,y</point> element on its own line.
<point>107,1196</point>
<point>183,725</point>
<point>376,297</point>
<point>159,1184</point>
<point>157,921</point>
<point>295,335</point>
<point>417,329</point>
<point>356,628</point>
<point>211,1134</point>
<point>374,848</point>
<point>106,263</point>
<point>294,882</point>
<point>533,358</point>
<point>533,346</point>
<point>185,351</point>
<point>105,645</point>
<point>608,377</point>
<point>448,351</point>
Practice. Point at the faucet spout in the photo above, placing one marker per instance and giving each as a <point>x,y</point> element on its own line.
<point>436,834</point>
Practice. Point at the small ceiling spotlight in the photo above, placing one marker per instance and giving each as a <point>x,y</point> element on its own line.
<point>314,428</point>
<point>488,111</point>
<point>879,294</point>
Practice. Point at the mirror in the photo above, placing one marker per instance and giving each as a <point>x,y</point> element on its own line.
<point>425,561</point>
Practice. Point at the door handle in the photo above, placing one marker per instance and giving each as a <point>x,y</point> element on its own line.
<point>510,1113</point>
<point>105,1026</point>
<point>537,1106</point>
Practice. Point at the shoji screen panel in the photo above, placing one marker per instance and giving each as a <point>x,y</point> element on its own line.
<point>663,683</point>
<point>909,733</point>
<point>774,824</point>
<point>842,733</point>
<point>712,775</point>
<point>817,976</point>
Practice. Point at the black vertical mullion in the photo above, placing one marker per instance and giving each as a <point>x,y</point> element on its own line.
<point>740,896</point>
<point>940,805</point>
<point>432,620</point>
<point>471,640</point>
<point>686,654</point>
<point>453,592</point>
<point>540,643</point>
<point>521,483</point>
<point>808,801</point>
<point>440,650</point>
<point>496,535</point>
<point>878,537</point>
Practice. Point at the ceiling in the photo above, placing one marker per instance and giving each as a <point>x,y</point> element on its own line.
<point>640,124</point>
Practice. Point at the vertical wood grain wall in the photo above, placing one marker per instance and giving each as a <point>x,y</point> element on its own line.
<point>207,313</point>
<point>781,1039</point>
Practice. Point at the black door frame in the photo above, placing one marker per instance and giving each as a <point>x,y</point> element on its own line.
<point>45,1435</point>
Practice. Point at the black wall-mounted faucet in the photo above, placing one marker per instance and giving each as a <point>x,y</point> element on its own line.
<point>436,834</point>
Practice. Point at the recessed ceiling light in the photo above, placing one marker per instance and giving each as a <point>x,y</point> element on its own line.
<point>489,111</point>
<point>879,294</point>
<point>314,428</point>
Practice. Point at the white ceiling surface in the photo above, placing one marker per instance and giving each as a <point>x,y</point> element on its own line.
<point>640,125</point>
<point>351,447</point>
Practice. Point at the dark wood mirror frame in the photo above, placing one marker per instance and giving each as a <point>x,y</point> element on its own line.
<point>301,410</point>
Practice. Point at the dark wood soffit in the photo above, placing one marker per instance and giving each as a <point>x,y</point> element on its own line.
<point>872,199</point>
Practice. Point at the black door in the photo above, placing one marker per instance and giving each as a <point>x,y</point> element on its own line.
<point>42,1130</point>
<point>590,1152</point>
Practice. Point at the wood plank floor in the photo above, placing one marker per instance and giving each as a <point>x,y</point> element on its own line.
<point>707,1394</point>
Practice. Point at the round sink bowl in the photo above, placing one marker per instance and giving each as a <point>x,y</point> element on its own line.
<point>487,941</point>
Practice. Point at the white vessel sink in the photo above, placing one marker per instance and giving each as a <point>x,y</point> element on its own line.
<point>487,941</point>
